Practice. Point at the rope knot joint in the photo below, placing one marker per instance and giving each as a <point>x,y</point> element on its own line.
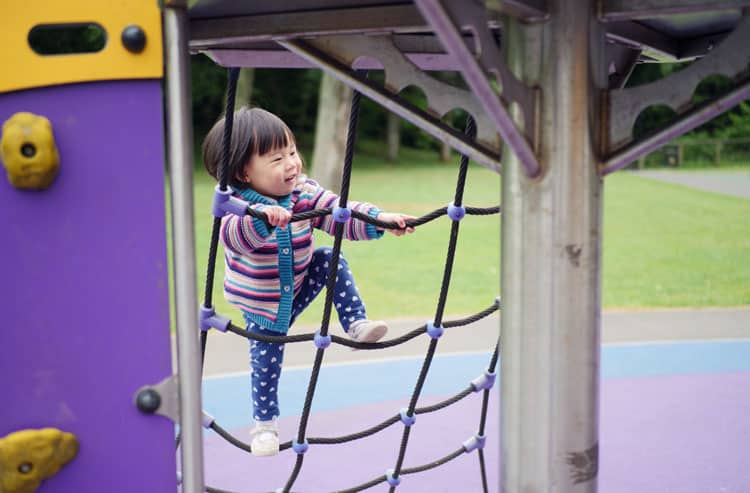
<point>300,448</point>
<point>485,381</point>
<point>475,442</point>
<point>321,341</point>
<point>224,202</point>
<point>406,419</point>
<point>210,320</point>
<point>341,214</point>
<point>391,479</point>
<point>456,212</point>
<point>434,331</point>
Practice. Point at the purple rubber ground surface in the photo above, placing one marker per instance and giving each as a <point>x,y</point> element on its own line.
<point>676,434</point>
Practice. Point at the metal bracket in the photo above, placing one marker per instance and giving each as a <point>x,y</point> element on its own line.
<point>448,18</point>
<point>337,54</point>
<point>676,90</point>
<point>162,398</point>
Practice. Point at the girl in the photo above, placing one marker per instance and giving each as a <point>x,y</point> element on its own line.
<point>272,275</point>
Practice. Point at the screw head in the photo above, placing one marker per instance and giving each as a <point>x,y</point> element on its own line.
<point>148,401</point>
<point>134,39</point>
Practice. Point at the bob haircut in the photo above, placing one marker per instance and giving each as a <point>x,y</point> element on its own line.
<point>255,131</point>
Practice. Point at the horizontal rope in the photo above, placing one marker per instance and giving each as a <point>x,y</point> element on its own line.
<point>362,345</point>
<point>303,216</point>
<point>406,470</point>
<point>351,437</point>
<point>434,464</point>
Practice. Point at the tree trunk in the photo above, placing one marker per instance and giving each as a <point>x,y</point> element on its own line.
<point>244,87</point>
<point>393,136</point>
<point>445,152</point>
<point>334,103</point>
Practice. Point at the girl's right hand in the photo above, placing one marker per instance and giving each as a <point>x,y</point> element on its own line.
<point>277,215</point>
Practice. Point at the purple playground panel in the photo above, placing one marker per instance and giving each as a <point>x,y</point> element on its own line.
<point>667,433</point>
<point>84,270</point>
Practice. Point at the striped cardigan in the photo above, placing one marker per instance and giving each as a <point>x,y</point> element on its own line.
<point>265,268</point>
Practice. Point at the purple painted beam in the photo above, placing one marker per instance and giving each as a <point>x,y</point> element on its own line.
<point>445,29</point>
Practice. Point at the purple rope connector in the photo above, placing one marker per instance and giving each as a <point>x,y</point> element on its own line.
<point>210,320</point>
<point>475,442</point>
<point>300,448</point>
<point>207,420</point>
<point>320,341</point>
<point>456,212</point>
<point>224,202</point>
<point>485,381</point>
<point>393,481</point>
<point>435,332</point>
<point>406,419</point>
<point>341,214</point>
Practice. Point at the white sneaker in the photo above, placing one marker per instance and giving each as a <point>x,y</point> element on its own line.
<point>367,330</point>
<point>265,438</point>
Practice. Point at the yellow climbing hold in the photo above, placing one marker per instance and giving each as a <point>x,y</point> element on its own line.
<point>28,151</point>
<point>28,457</point>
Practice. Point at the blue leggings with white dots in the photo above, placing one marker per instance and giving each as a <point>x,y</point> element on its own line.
<point>266,357</point>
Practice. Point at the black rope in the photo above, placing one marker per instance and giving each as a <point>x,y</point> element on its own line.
<point>434,464</point>
<point>353,436</point>
<point>483,416</point>
<point>303,216</point>
<point>360,345</point>
<point>461,182</point>
<point>223,179</point>
<point>333,272</point>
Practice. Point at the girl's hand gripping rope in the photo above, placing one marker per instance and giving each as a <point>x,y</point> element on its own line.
<point>398,218</point>
<point>277,216</point>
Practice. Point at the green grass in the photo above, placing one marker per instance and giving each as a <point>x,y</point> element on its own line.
<point>667,245</point>
<point>664,245</point>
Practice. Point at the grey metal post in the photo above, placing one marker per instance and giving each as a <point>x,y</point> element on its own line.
<point>551,231</point>
<point>180,162</point>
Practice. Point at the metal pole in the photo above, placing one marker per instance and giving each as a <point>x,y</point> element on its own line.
<point>180,162</point>
<point>551,275</point>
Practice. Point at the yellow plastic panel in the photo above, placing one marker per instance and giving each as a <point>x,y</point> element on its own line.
<point>26,69</point>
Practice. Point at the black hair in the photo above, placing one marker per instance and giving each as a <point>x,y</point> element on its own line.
<point>255,131</point>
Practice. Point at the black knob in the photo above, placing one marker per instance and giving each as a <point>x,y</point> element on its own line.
<point>134,39</point>
<point>148,401</point>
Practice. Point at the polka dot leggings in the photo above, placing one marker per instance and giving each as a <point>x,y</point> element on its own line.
<point>266,357</point>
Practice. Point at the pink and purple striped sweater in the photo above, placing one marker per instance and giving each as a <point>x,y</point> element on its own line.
<point>265,268</point>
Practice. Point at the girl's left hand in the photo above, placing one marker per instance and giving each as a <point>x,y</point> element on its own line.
<point>398,218</point>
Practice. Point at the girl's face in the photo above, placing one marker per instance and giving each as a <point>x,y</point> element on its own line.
<point>275,173</point>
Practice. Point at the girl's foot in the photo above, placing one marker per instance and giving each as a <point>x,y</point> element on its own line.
<point>265,438</point>
<point>367,330</point>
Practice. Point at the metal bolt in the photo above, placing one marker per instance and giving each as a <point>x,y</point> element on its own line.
<point>148,401</point>
<point>134,39</point>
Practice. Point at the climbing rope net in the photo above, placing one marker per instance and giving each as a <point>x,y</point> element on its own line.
<point>225,202</point>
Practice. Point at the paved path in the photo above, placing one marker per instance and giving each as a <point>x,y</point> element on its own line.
<point>228,353</point>
<point>728,182</point>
